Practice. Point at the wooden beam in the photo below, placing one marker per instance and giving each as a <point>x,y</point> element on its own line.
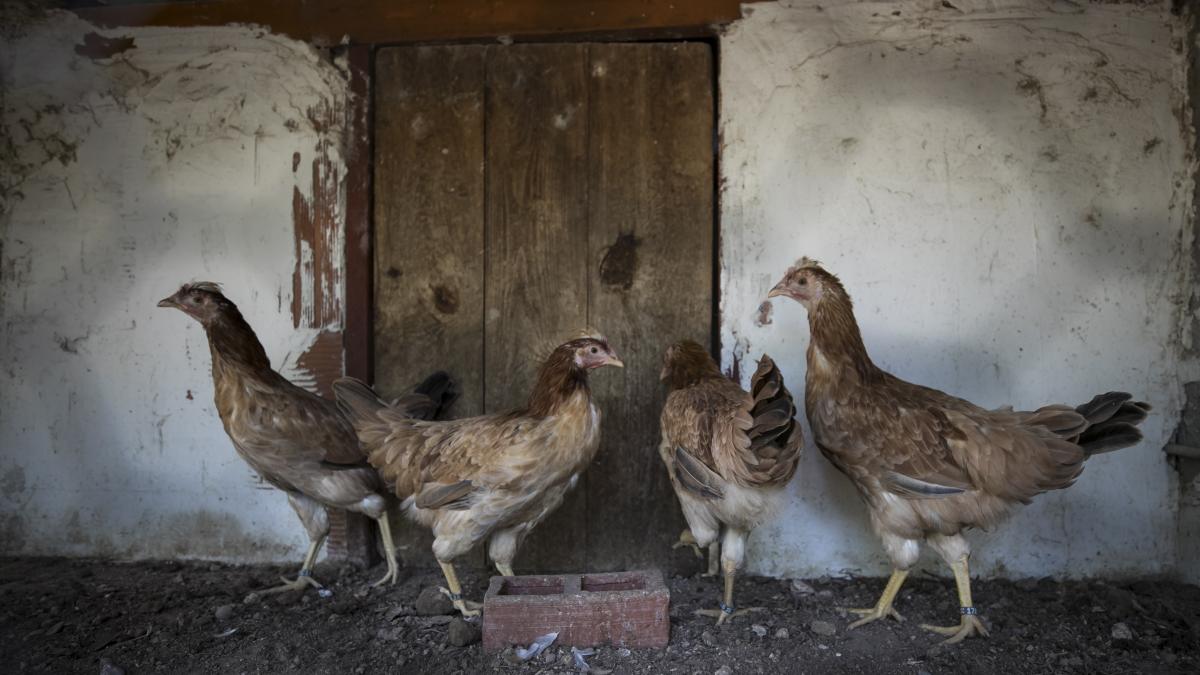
<point>352,535</point>
<point>330,22</point>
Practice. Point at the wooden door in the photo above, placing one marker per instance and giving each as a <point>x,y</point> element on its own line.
<point>522,193</point>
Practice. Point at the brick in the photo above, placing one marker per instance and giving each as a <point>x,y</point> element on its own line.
<point>625,609</point>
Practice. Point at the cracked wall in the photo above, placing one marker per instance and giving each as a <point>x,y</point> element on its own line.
<point>1005,188</point>
<point>132,161</point>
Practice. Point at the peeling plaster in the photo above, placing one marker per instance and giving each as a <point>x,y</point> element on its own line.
<point>155,157</point>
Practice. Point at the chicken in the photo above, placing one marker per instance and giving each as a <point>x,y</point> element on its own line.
<point>297,441</point>
<point>493,477</point>
<point>927,464</point>
<point>729,455</point>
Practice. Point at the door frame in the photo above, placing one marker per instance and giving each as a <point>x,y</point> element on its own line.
<point>351,536</point>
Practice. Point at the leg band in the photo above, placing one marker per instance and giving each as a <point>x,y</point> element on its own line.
<point>971,611</point>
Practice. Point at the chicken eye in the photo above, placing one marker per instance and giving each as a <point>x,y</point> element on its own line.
<point>195,299</point>
<point>594,350</point>
<point>803,281</point>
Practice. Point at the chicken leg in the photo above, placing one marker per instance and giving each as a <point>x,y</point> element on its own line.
<point>732,553</point>
<point>466,607</point>
<point>884,606</point>
<point>303,579</point>
<point>969,624</point>
<point>389,551</point>
<point>505,569</point>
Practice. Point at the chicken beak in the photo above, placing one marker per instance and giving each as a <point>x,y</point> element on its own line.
<point>614,361</point>
<point>780,289</point>
<point>168,302</point>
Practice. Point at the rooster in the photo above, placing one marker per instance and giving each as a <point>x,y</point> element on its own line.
<point>493,477</point>
<point>729,454</point>
<point>296,440</point>
<point>927,464</point>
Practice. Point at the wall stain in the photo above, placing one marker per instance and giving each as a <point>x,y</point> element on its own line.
<point>98,47</point>
<point>445,299</point>
<point>619,265</point>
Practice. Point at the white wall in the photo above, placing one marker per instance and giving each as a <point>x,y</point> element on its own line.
<point>176,164</point>
<point>1003,189</point>
<point>999,251</point>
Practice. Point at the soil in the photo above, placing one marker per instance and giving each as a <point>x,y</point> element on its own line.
<point>86,616</point>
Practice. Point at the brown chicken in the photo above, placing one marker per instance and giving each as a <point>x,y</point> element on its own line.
<point>297,441</point>
<point>493,477</point>
<point>729,453</point>
<point>927,464</point>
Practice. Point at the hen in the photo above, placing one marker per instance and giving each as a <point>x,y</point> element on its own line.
<point>927,464</point>
<point>296,440</point>
<point>493,477</point>
<point>729,454</point>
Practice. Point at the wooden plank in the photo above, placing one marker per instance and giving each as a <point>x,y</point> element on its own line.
<point>537,242</point>
<point>650,263</point>
<point>328,22</point>
<point>429,230</point>
<point>352,536</point>
<point>359,256</point>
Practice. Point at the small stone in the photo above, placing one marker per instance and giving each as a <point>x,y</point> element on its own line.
<point>623,652</point>
<point>397,612</point>
<point>1120,631</point>
<point>825,593</point>
<point>723,670</point>
<point>708,638</point>
<point>389,634</point>
<point>460,633</point>
<point>1071,662</point>
<point>224,612</point>
<point>107,667</point>
<point>759,630</point>
<point>782,634</point>
<point>799,587</point>
<point>823,628</point>
<point>432,602</point>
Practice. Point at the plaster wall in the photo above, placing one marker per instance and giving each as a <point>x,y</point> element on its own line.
<point>181,155</point>
<point>1005,190</point>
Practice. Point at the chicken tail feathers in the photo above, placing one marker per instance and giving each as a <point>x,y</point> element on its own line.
<point>775,437</point>
<point>357,401</point>
<point>1113,420</point>
<point>439,389</point>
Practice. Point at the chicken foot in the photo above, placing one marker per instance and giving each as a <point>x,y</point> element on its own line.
<point>389,551</point>
<point>466,607</point>
<point>970,624</point>
<point>727,610</point>
<point>304,579</point>
<point>505,569</point>
<point>686,538</point>
<point>884,606</point>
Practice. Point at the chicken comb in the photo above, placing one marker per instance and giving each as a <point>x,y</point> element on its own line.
<point>207,286</point>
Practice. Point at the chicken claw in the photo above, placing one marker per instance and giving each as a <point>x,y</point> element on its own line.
<point>968,627</point>
<point>723,616</point>
<point>300,583</point>
<point>884,606</point>
<point>870,614</point>
<point>466,607</point>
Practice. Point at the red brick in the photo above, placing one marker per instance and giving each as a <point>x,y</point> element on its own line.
<point>628,609</point>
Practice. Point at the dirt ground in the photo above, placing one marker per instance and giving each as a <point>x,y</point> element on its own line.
<point>83,616</point>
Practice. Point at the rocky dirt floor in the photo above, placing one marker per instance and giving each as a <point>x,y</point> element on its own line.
<point>73,616</point>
